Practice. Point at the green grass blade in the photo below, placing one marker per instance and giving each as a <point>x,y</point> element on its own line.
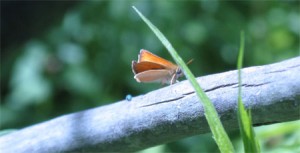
<point>211,114</point>
<point>245,122</point>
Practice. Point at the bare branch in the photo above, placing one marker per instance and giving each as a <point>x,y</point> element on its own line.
<point>171,113</point>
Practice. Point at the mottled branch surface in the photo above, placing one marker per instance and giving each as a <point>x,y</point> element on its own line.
<point>171,113</point>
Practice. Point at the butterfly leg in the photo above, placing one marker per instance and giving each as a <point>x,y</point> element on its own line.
<point>173,80</point>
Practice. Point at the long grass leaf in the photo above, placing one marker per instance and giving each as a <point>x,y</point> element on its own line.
<point>211,114</point>
<point>244,117</point>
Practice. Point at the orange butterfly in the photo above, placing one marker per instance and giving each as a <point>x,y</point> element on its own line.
<point>151,68</point>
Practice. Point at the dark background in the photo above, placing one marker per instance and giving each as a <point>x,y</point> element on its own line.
<point>63,57</point>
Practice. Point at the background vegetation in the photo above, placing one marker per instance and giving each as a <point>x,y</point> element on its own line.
<point>63,57</point>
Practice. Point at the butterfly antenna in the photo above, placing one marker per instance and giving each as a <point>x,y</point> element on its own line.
<point>190,61</point>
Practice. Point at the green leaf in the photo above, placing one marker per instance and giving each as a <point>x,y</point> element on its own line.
<point>211,114</point>
<point>244,117</point>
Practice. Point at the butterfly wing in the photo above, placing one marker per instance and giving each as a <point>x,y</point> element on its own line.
<point>145,66</point>
<point>153,76</point>
<point>146,56</point>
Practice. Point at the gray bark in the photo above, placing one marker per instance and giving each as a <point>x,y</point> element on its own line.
<point>167,114</point>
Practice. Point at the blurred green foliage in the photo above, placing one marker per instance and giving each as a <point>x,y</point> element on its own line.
<point>63,57</point>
